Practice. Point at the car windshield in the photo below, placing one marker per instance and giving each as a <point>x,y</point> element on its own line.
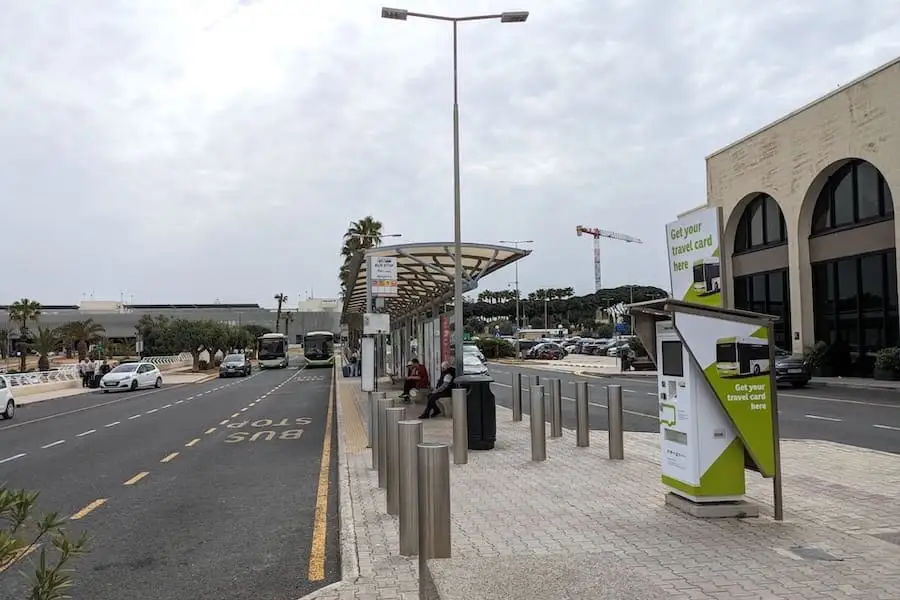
<point>781,352</point>
<point>471,359</point>
<point>129,368</point>
<point>234,358</point>
<point>470,349</point>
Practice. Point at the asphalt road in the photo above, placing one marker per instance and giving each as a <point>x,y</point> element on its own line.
<point>204,490</point>
<point>857,417</point>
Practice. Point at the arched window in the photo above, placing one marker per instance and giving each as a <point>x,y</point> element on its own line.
<point>855,194</point>
<point>761,225</point>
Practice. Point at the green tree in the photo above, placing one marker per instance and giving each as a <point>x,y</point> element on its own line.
<point>4,343</point>
<point>360,235</point>
<point>80,335</point>
<point>196,336</point>
<point>22,312</point>
<point>46,342</point>
<point>23,531</point>
<point>256,330</point>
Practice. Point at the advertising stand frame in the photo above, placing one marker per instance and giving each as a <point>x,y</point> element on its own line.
<point>646,317</point>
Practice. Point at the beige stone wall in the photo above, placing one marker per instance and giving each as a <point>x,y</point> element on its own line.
<point>791,160</point>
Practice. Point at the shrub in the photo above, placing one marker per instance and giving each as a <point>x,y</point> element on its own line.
<point>818,355</point>
<point>495,348</point>
<point>888,359</point>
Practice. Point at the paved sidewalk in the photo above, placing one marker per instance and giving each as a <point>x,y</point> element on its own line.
<point>595,519</point>
<point>51,395</point>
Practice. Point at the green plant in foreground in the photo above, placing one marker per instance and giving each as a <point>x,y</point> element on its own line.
<point>23,532</point>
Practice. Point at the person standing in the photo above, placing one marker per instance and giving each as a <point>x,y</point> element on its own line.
<point>89,367</point>
<point>82,370</point>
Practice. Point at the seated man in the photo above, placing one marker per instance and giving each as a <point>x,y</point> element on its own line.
<point>443,390</point>
<point>416,378</point>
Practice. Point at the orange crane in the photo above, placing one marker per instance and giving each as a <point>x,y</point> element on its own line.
<point>602,233</point>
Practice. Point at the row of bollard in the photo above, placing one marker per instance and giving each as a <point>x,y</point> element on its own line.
<point>415,476</point>
<point>582,420</point>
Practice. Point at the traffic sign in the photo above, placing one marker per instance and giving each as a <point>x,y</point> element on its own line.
<point>621,328</point>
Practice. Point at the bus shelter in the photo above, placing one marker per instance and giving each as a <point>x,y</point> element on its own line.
<point>408,287</point>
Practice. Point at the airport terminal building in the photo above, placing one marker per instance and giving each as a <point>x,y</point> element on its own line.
<point>119,320</point>
<point>809,229</point>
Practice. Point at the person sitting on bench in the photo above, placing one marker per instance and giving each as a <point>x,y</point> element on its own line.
<point>443,390</point>
<point>417,377</point>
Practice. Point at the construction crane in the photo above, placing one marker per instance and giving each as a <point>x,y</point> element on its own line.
<point>602,233</point>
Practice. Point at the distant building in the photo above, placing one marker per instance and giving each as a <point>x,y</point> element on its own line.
<point>319,305</point>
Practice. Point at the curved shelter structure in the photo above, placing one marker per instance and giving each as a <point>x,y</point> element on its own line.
<point>808,207</point>
<point>424,285</point>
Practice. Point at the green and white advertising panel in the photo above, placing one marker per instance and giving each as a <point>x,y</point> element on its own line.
<point>715,404</point>
<point>695,269</point>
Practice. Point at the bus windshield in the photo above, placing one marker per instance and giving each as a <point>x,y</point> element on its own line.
<point>318,346</point>
<point>726,353</point>
<point>699,275</point>
<point>271,348</point>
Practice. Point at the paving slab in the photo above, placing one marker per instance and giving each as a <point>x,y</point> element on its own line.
<point>842,517</point>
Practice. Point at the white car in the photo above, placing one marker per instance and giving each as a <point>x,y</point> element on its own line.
<point>473,366</point>
<point>473,350</point>
<point>7,402</point>
<point>131,376</point>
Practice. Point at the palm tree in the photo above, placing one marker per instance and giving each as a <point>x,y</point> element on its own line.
<point>281,298</point>
<point>47,341</point>
<point>23,311</point>
<point>80,335</point>
<point>4,342</point>
<point>361,235</point>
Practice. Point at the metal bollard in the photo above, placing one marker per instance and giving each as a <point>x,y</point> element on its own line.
<point>393,416</point>
<point>614,413</point>
<point>460,428</point>
<point>538,426</point>
<point>373,425</point>
<point>380,439</point>
<point>582,417</point>
<point>555,408</point>
<point>517,396</point>
<point>410,434</point>
<point>434,503</point>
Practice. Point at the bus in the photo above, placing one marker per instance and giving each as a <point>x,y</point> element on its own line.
<point>318,349</point>
<point>708,276</point>
<point>742,356</point>
<point>272,351</point>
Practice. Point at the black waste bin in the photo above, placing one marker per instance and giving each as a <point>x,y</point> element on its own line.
<point>481,411</point>
<point>95,380</point>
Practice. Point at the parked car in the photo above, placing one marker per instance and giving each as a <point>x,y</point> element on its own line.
<point>131,376</point>
<point>474,350</point>
<point>790,369</point>
<point>473,366</point>
<point>613,349</point>
<point>7,402</point>
<point>235,364</point>
<point>546,351</point>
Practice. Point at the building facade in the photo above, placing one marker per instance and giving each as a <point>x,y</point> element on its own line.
<point>809,229</point>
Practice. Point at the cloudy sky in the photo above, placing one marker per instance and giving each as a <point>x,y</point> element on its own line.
<point>194,150</point>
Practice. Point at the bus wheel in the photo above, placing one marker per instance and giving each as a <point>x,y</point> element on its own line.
<point>756,369</point>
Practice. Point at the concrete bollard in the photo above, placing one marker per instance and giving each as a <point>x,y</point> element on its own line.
<point>460,427</point>
<point>434,503</point>
<point>616,422</point>
<point>392,417</point>
<point>582,416</point>
<point>555,408</point>
<point>380,439</point>
<point>538,426</point>
<point>411,435</point>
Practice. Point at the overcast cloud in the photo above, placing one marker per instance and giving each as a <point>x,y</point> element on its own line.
<point>192,150</point>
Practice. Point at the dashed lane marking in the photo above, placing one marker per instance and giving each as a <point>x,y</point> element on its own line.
<point>235,415</point>
<point>209,431</point>
<point>17,556</point>
<point>152,410</point>
<point>88,509</point>
<point>169,457</point>
<point>113,424</point>
<point>56,443</point>
<point>88,432</point>
<point>137,478</point>
<point>132,417</point>
<point>225,422</point>
<point>888,427</point>
<point>167,406</point>
<point>821,418</point>
<point>12,458</point>
<point>244,409</point>
<point>179,401</point>
<point>193,442</point>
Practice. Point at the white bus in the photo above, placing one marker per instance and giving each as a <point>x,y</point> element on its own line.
<point>318,349</point>
<point>708,275</point>
<point>741,356</point>
<point>272,351</point>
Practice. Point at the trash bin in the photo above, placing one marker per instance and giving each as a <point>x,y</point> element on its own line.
<point>481,411</point>
<point>95,381</point>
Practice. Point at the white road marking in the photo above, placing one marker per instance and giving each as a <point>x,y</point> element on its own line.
<point>225,422</point>
<point>889,427</point>
<point>88,432</point>
<point>11,458</point>
<point>820,418</point>
<point>113,424</point>
<point>152,410</point>
<point>167,406</point>
<point>179,401</point>
<point>56,443</point>
<point>244,409</point>
<point>134,417</point>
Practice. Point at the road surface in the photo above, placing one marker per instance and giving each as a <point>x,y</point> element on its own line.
<point>863,418</point>
<point>206,490</point>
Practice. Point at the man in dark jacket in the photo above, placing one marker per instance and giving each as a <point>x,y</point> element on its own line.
<point>444,389</point>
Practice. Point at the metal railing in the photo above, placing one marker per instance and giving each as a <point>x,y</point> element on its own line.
<point>65,373</point>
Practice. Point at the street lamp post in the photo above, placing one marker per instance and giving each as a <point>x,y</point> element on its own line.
<point>518,317</point>
<point>546,304</point>
<point>399,14</point>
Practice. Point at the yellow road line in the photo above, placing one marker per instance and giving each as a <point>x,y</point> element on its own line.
<point>88,509</point>
<point>169,458</point>
<point>210,430</point>
<point>193,442</point>
<point>137,478</point>
<point>317,552</point>
<point>19,555</point>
